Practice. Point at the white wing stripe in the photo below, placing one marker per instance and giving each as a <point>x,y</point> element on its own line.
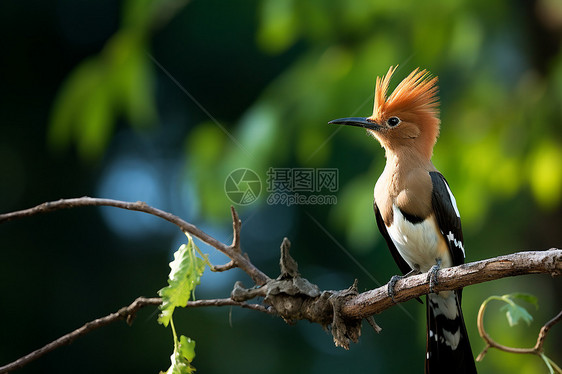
<point>453,200</point>
<point>458,243</point>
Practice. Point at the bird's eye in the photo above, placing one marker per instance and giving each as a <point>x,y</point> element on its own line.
<point>393,121</point>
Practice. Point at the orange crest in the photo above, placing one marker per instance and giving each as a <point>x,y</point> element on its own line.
<point>416,94</point>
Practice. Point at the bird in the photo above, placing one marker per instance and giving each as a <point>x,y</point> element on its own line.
<point>415,210</point>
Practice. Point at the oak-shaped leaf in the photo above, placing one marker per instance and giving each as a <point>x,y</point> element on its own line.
<point>184,353</point>
<point>185,274</point>
<point>515,312</point>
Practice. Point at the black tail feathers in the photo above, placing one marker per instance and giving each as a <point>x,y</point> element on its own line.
<point>448,348</point>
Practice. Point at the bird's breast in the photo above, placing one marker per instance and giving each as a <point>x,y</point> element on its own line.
<point>421,243</point>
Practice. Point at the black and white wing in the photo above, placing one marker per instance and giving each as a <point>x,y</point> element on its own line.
<point>448,216</point>
<point>448,347</point>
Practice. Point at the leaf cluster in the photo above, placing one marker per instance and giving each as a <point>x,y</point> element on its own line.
<point>185,274</point>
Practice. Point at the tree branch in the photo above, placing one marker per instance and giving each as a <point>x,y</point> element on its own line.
<point>544,331</point>
<point>230,302</point>
<point>233,251</point>
<point>126,313</point>
<point>377,300</point>
<point>293,297</point>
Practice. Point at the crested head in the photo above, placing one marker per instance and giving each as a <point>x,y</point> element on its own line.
<point>409,117</point>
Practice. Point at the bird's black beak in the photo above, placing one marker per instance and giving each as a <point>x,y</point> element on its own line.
<point>356,121</point>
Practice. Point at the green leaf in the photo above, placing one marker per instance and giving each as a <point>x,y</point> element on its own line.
<point>184,352</point>
<point>531,299</point>
<point>187,348</point>
<point>185,274</point>
<point>515,313</point>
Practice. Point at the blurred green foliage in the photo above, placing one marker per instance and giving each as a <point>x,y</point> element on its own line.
<point>272,73</point>
<point>117,82</point>
<point>500,123</point>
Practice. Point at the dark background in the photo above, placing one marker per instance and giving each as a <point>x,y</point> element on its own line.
<point>140,100</point>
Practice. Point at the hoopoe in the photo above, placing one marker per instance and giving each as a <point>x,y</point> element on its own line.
<point>416,211</point>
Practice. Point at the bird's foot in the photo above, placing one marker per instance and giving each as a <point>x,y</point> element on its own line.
<point>432,275</point>
<point>396,278</point>
<point>391,284</point>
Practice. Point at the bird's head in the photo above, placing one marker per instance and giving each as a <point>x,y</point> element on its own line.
<point>408,119</point>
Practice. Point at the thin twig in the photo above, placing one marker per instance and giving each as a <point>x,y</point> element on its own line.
<point>234,253</point>
<point>544,331</point>
<point>126,313</point>
<point>229,302</point>
<point>220,268</point>
<point>236,226</point>
<point>491,343</point>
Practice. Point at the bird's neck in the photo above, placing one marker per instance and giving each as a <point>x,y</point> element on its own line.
<point>406,159</point>
<point>404,182</point>
<point>399,170</point>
